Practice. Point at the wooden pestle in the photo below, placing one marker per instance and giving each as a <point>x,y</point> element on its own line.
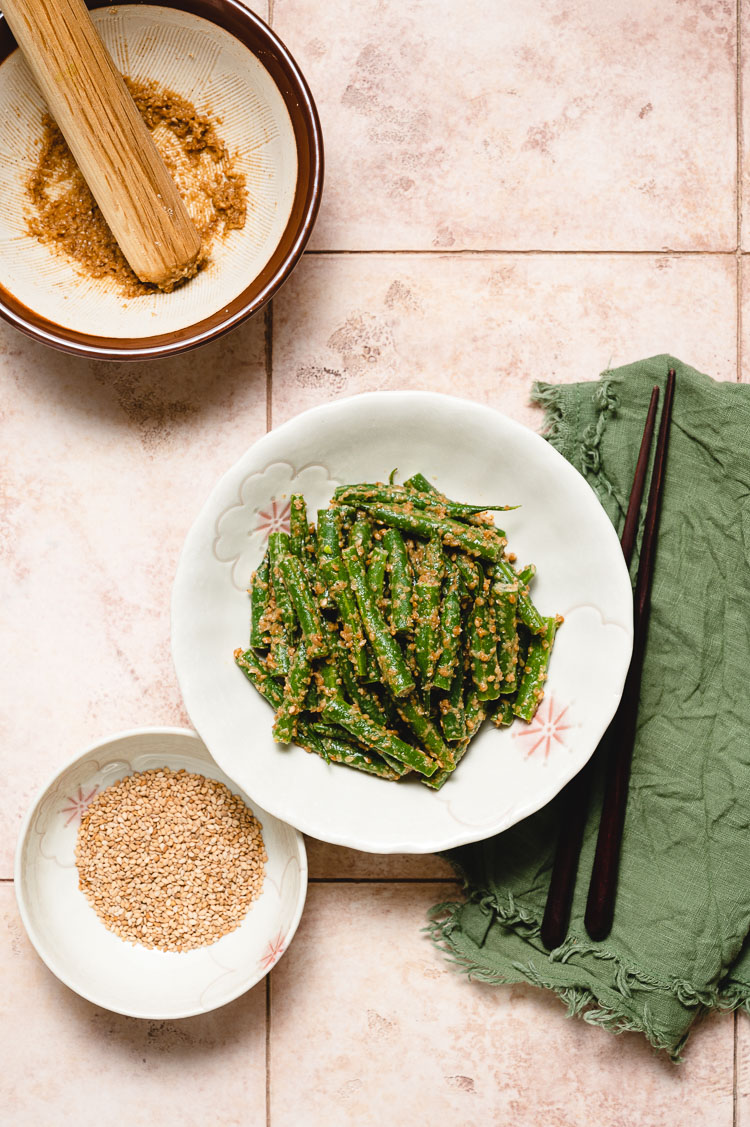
<point>114,150</point>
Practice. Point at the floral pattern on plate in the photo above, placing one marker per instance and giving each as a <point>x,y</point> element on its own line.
<point>273,952</point>
<point>263,507</point>
<point>78,804</point>
<point>545,730</point>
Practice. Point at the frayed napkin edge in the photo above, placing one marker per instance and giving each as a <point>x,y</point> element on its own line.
<point>445,931</point>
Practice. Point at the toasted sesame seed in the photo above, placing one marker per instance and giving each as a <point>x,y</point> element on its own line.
<point>170,859</point>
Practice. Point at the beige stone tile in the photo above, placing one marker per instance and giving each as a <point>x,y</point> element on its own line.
<point>744,374</point>
<point>332,862</point>
<point>104,469</point>
<point>487,326</point>
<point>393,1034</point>
<point>66,1061</point>
<point>743,1070</point>
<point>583,126</point>
<point>745,122</point>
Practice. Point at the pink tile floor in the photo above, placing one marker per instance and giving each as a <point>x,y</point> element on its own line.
<point>514,191</point>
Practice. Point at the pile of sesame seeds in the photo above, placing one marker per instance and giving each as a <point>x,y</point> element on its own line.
<point>170,859</point>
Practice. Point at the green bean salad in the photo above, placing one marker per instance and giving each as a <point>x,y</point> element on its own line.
<point>386,635</point>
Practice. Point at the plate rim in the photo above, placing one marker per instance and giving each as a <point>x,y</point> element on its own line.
<point>467,835</point>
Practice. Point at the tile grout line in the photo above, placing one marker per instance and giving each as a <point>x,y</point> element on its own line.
<point>383,880</point>
<point>735,1102</point>
<point>268,360</point>
<point>740,154</point>
<point>663,252</point>
<point>268,1049</point>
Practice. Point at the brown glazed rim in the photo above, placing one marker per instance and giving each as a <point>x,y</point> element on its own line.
<point>249,29</point>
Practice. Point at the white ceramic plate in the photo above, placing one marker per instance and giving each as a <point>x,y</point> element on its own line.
<point>93,961</point>
<point>476,455</point>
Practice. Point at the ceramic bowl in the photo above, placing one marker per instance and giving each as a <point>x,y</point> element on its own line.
<point>475,455</point>
<point>228,63</point>
<point>124,977</point>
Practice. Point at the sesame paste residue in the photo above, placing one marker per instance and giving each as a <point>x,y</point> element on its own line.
<point>63,213</point>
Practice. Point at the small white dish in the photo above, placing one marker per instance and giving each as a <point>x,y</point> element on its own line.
<point>124,977</point>
<point>473,454</point>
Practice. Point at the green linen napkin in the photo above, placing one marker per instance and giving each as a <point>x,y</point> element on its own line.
<point>683,903</point>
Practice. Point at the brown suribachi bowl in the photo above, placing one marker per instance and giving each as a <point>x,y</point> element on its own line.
<point>220,55</point>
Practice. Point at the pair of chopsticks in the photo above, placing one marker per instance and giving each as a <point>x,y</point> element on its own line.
<point>600,905</point>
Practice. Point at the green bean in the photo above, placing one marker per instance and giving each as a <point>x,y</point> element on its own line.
<point>387,652</point>
<point>360,537</point>
<point>425,731</point>
<point>336,577</point>
<point>504,604</point>
<point>419,483</point>
<point>372,669</point>
<point>486,542</point>
<point>308,739</point>
<point>427,585</point>
<point>297,683</point>
<point>329,681</point>
<point>531,690</point>
<point>313,701</point>
<point>366,701</point>
<point>526,574</point>
<point>527,612</point>
<point>376,571</point>
<point>400,614</point>
<point>400,581</point>
<point>470,571</point>
<point>483,646</point>
<point>293,575</point>
<point>440,778</point>
<point>278,545</point>
<point>452,713</point>
<point>259,676</point>
<point>259,597</point>
<point>341,752</point>
<point>380,739</point>
<point>336,732</point>
<point>432,502</point>
<point>502,712</point>
<point>299,529</point>
<point>476,710</point>
<point>474,714</point>
<point>450,632</point>
<point>280,645</point>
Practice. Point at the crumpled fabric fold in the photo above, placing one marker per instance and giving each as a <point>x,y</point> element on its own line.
<point>679,945</point>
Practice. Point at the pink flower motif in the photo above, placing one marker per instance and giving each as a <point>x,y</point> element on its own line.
<point>544,730</point>
<point>78,805</point>
<point>273,953</point>
<point>275,518</point>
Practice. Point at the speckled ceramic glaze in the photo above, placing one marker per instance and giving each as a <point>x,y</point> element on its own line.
<point>93,961</point>
<point>474,454</point>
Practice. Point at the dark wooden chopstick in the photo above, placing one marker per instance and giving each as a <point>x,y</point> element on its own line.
<point>576,796</point>
<point>600,906</point>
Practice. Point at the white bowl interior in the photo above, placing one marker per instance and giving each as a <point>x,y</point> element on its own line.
<point>221,77</point>
<point>93,961</point>
<point>477,455</point>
